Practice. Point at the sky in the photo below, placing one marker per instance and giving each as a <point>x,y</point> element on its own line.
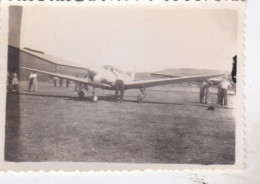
<point>144,38</point>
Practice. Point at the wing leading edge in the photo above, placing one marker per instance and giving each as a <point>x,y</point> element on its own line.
<point>75,79</point>
<point>164,75</point>
<point>129,85</point>
<point>159,82</point>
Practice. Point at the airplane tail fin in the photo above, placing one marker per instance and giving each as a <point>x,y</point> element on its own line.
<point>133,74</point>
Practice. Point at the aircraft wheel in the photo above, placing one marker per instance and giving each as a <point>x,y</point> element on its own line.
<point>81,94</point>
<point>140,98</point>
<point>95,98</point>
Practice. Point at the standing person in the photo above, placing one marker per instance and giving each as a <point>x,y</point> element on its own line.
<point>202,91</point>
<point>14,82</point>
<point>36,81</point>
<point>207,91</point>
<point>120,87</point>
<point>218,94</point>
<point>223,91</point>
<point>67,83</point>
<point>76,84</point>
<point>51,79</point>
<point>55,80</point>
<point>61,81</point>
<point>8,82</point>
<point>86,86</point>
<point>33,81</point>
<point>9,78</point>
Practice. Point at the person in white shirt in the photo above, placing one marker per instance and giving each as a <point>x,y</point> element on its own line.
<point>33,81</point>
<point>223,86</point>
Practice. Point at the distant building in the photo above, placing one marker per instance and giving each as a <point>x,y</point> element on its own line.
<point>26,57</point>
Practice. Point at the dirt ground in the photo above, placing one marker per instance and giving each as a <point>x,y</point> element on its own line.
<point>53,124</point>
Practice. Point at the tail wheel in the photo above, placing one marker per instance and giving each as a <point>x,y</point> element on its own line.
<point>81,94</point>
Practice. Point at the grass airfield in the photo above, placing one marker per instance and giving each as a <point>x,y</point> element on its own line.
<point>170,126</point>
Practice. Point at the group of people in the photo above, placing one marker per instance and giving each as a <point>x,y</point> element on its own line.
<point>205,91</point>
<point>57,80</point>
<point>33,82</point>
<point>13,82</point>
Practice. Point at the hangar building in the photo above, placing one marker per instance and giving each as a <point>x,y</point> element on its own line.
<point>27,57</point>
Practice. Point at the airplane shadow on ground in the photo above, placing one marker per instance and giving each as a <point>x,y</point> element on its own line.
<point>109,98</point>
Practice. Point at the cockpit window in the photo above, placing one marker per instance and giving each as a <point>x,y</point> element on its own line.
<point>114,70</point>
<point>111,68</point>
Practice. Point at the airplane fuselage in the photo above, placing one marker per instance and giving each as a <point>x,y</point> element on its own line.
<point>108,75</point>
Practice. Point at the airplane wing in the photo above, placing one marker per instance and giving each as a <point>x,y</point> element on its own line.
<point>75,79</point>
<point>214,81</point>
<point>159,82</point>
<point>164,75</point>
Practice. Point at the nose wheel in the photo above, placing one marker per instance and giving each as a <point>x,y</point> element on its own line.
<point>81,94</point>
<point>95,97</point>
<point>82,89</point>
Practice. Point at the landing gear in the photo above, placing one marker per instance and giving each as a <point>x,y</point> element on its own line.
<point>142,96</point>
<point>81,94</point>
<point>95,97</point>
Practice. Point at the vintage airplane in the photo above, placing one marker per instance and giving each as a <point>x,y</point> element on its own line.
<point>105,78</point>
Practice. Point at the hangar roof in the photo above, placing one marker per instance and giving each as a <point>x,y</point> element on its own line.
<point>47,57</point>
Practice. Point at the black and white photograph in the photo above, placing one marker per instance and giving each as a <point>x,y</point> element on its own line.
<point>124,85</point>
